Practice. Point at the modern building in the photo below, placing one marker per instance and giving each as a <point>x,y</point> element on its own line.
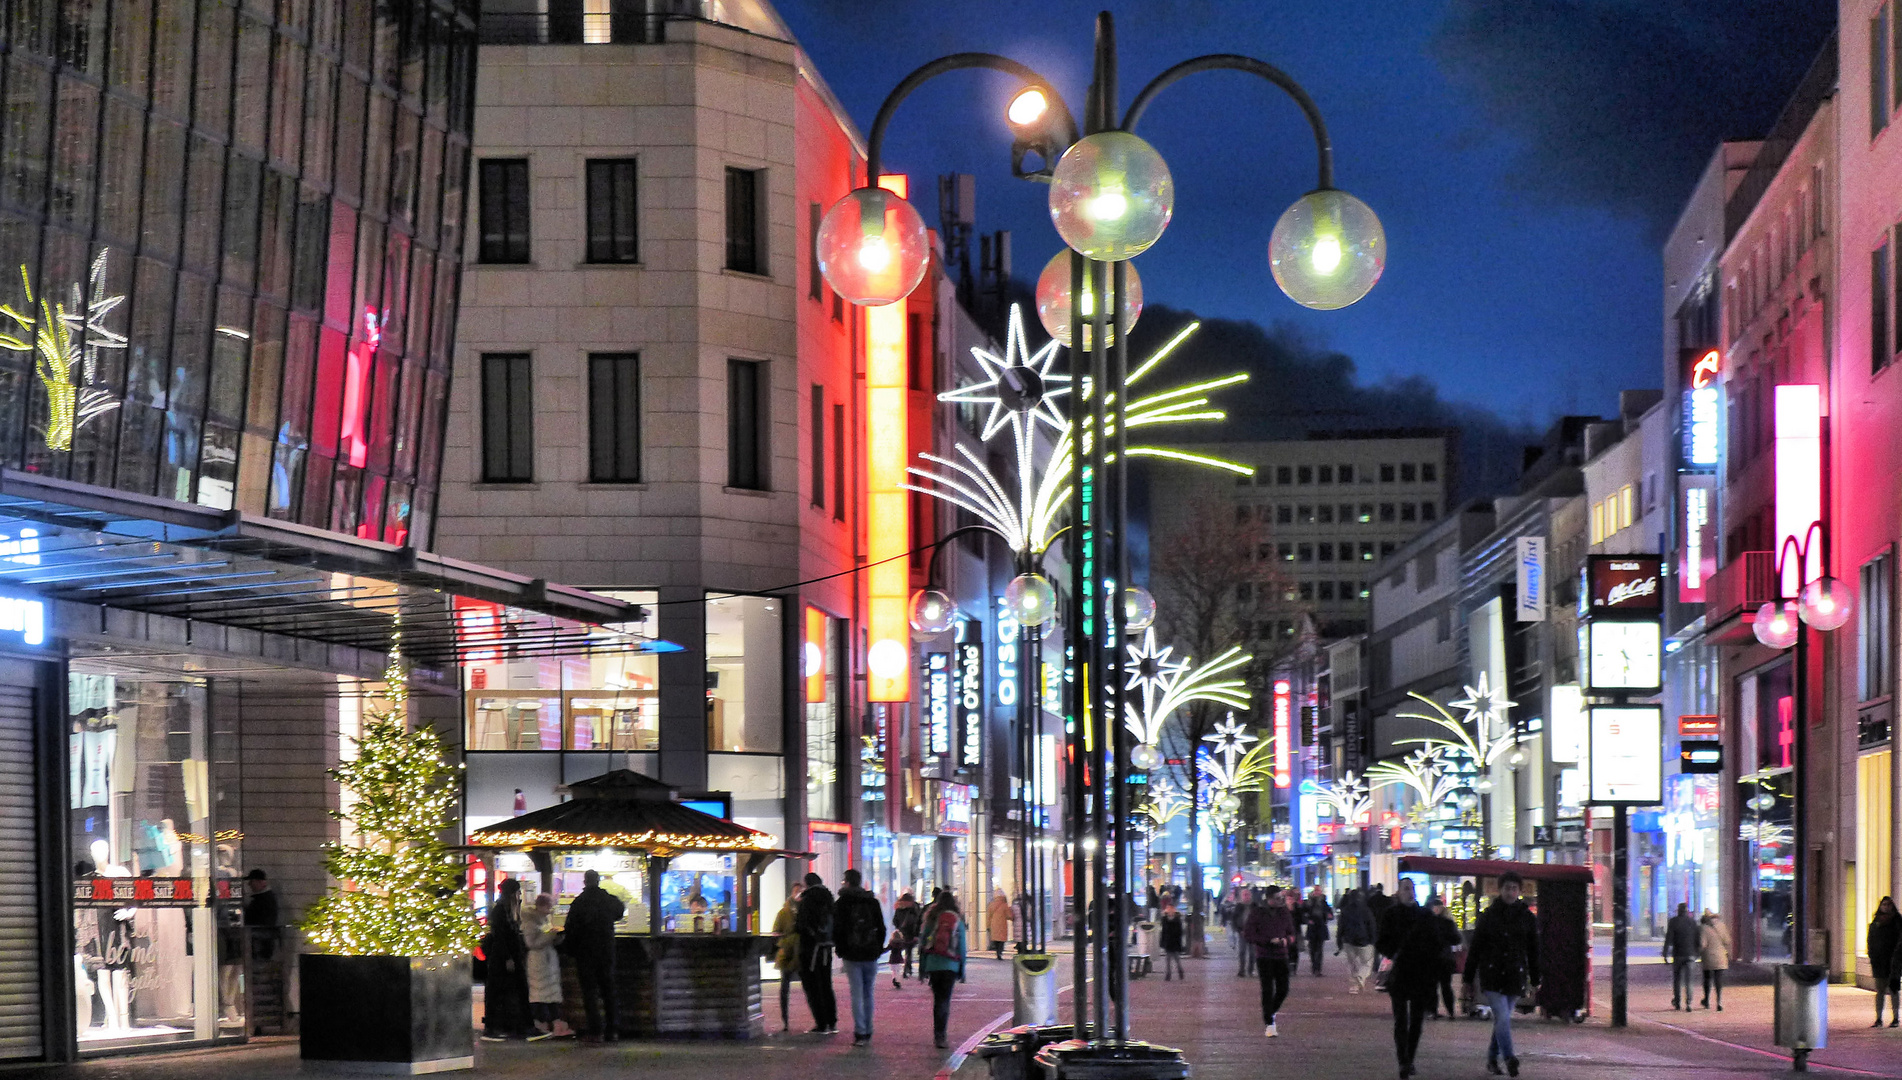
<point>218,485</point>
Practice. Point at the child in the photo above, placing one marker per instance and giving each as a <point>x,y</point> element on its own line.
<point>1172,940</point>
<point>899,957</point>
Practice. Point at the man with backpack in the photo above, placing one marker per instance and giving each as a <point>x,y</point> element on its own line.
<point>858,928</point>
<point>814,925</point>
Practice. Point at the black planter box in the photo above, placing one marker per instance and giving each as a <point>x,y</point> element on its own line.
<point>399,1015</point>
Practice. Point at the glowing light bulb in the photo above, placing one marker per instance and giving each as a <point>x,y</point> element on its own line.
<point>875,254</point>
<point>1027,107</point>
<point>1111,205</point>
<point>1326,256</point>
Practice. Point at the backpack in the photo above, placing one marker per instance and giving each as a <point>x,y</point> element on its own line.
<point>943,940</point>
<point>862,934</point>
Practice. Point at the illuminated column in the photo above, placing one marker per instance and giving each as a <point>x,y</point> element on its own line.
<point>888,521</point>
<point>1799,466</point>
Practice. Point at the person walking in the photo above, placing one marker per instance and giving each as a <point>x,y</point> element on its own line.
<point>786,952</point>
<point>905,916</point>
<point>1680,948</point>
<point>814,923</point>
<point>1417,944</point>
<point>941,960</point>
<point>1319,913</point>
<point>505,988</point>
<point>997,917</point>
<point>1713,952</point>
<point>1884,942</point>
<point>1234,918</point>
<point>1504,961</point>
<point>1449,935</point>
<point>1270,930</point>
<point>544,969</point>
<point>859,930</point>
<point>1354,935</point>
<point>1172,939</point>
<point>588,936</point>
<point>1378,904</point>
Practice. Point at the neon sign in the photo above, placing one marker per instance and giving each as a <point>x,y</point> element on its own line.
<point>938,702</point>
<point>1702,407</point>
<point>1008,669</point>
<point>1284,774</point>
<point>969,687</point>
<point>1697,558</point>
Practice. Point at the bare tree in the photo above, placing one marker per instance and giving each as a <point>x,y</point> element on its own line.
<point>1218,582</point>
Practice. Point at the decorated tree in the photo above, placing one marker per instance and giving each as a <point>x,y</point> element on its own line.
<point>398,887</point>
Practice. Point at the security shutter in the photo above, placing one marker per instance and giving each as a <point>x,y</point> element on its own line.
<point>20,1021</point>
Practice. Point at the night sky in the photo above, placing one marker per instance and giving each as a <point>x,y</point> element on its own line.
<point>1526,157</point>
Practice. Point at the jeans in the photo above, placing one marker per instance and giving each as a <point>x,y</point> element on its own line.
<point>1246,965</point>
<point>1360,964</point>
<point>860,976</point>
<point>597,989</point>
<point>1716,978</point>
<point>1681,979</point>
<point>1172,959</point>
<point>942,983</point>
<point>1314,955</point>
<point>1501,1005</point>
<point>1274,986</point>
<point>817,982</point>
<point>1410,1006</point>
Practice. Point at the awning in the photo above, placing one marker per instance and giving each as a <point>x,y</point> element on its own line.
<point>1492,868</point>
<point>89,545</point>
<point>623,809</point>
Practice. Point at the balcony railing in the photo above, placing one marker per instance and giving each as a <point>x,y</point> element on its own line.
<point>1740,587</point>
<point>572,28</point>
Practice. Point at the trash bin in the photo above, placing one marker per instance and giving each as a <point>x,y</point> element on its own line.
<point>1075,1060</point>
<point>1003,1051</point>
<point>1034,989</point>
<point>1802,1008</point>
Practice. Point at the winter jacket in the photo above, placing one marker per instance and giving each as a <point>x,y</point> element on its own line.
<point>544,963</point>
<point>1419,945</point>
<point>929,961</point>
<point>905,919</point>
<point>856,918</point>
<point>1885,937</point>
<point>786,951</point>
<point>1377,904</point>
<point>1680,938</point>
<point>1356,924</point>
<point>814,923</point>
<point>1270,929</point>
<point>997,915</point>
<point>1505,953</point>
<point>1713,944</point>
<point>589,929</point>
<point>1171,937</point>
<point>1318,913</point>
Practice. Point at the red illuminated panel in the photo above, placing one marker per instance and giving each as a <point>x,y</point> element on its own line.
<point>1699,727</point>
<point>888,523</point>
<point>1284,765</point>
<point>813,656</point>
<point>1799,471</point>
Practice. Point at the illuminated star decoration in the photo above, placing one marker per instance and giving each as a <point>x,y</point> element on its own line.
<point>1484,703</point>
<point>1230,738</point>
<point>1164,685</point>
<point>1348,796</point>
<point>1424,771</point>
<point>1481,746</point>
<point>1021,390</point>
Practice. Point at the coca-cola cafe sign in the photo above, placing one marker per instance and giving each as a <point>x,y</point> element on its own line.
<point>1617,584</point>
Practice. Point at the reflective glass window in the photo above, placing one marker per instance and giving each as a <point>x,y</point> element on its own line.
<point>120,161</point>
<point>172,32</point>
<point>744,662</point>
<point>211,105</point>
<point>23,160</point>
<point>75,168</point>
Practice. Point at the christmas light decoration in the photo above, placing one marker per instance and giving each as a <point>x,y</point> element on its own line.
<point>399,890</point>
<point>1423,770</point>
<point>1164,685</point>
<point>1349,796</point>
<point>67,339</point>
<point>1483,706</point>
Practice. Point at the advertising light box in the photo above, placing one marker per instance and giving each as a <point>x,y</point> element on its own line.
<point>1627,754</point>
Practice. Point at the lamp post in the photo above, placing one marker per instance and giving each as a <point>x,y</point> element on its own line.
<point>1821,603</point>
<point>1111,197</point>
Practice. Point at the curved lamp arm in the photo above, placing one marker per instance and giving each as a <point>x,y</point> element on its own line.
<point>1233,62</point>
<point>956,62</point>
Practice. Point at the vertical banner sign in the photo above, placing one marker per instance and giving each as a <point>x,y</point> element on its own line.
<point>1530,560</point>
<point>1701,408</point>
<point>888,509</point>
<point>938,703</point>
<point>1697,530</point>
<point>1284,745</point>
<point>968,689</point>
<point>1799,471</point>
<point>1009,669</point>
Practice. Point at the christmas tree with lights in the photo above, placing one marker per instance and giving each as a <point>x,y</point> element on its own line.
<point>398,888</point>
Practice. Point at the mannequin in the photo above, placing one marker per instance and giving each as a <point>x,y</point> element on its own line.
<point>115,947</point>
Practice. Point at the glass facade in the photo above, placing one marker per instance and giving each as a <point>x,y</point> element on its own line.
<point>243,218</point>
<point>745,645</point>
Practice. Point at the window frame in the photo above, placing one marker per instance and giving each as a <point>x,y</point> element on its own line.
<point>615,245</point>
<point>745,253</point>
<point>1875,628</point>
<point>746,425</point>
<point>504,249</point>
<point>507,395</point>
<point>624,424</point>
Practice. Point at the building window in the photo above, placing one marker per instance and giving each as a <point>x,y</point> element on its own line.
<point>614,418</point>
<point>1366,516</point>
<point>1386,512</point>
<point>1366,551</point>
<point>504,224</point>
<point>815,216</point>
<point>1327,591</point>
<point>1325,513</point>
<point>613,232</point>
<point>1879,288</point>
<point>818,421</point>
<point>1305,515</point>
<point>1284,514</point>
<point>1326,553</point>
<point>1345,472</point>
<point>1327,474</point>
<point>744,243</point>
<point>745,424</point>
<point>507,419</point>
<point>1284,474</point>
<point>1286,551</point>
<point>1880,77</point>
<point>1386,474</point>
<point>1304,552</point>
<point>1406,511</point>
<point>1307,590</point>
<point>1304,474</point>
<point>1428,511</point>
<point>1875,619</point>
<point>1386,548</point>
<point>745,647</point>
<point>838,463</point>
<point>1407,473</point>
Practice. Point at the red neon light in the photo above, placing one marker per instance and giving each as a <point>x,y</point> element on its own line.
<point>1786,730</point>
<point>356,376</point>
<point>1284,766</point>
<point>1706,369</point>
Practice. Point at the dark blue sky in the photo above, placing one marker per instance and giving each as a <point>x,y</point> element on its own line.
<point>1525,157</point>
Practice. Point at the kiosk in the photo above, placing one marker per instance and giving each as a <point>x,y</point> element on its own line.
<point>688,951</point>
<point>1560,897</point>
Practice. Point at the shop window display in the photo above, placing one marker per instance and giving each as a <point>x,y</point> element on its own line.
<point>696,893</point>
<point>608,702</point>
<point>153,879</point>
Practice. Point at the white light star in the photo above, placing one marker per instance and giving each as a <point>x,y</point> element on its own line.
<point>1230,738</point>
<point>1483,702</point>
<point>1022,388</point>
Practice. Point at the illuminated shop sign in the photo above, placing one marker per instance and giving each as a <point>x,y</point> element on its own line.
<point>1697,552</point>
<point>1799,471</point>
<point>938,702</point>
<point>1284,774</point>
<point>26,618</point>
<point>1700,757</point>
<point>954,810</point>
<point>968,688</point>
<point>1009,670</point>
<point>1702,407</point>
<point>1621,583</point>
<point>1530,558</point>
<point>1627,764</point>
<point>1700,727</point>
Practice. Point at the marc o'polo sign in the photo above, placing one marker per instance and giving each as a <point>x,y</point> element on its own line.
<point>1618,584</point>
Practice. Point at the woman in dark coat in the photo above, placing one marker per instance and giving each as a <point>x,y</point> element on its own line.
<point>1885,937</point>
<point>505,991</point>
<point>1417,943</point>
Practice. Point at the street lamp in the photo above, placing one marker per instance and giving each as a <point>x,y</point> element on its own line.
<point>1822,603</point>
<point>1111,197</point>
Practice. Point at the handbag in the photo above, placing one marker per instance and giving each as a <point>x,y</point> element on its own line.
<point>821,956</point>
